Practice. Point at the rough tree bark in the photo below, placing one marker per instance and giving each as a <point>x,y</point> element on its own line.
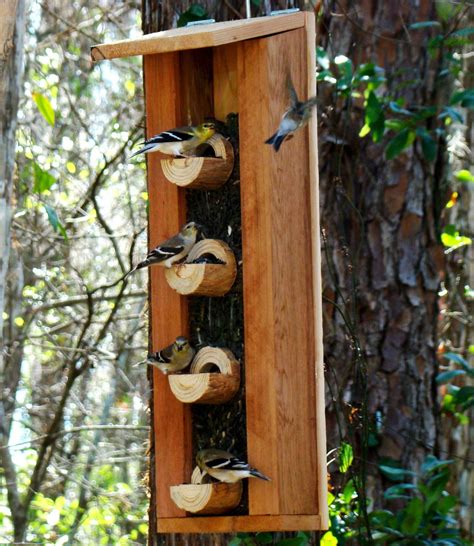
<point>12,26</point>
<point>382,255</point>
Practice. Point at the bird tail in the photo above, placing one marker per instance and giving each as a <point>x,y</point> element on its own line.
<point>256,474</point>
<point>276,140</point>
<point>144,150</point>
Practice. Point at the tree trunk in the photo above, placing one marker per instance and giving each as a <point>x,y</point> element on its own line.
<point>381,253</point>
<point>12,23</point>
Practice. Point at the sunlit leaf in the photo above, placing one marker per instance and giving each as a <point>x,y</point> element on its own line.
<point>464,176</point>
<point>346,456</point>
<point>328,539</point>
<point>45,108</point>
<point>42,179</point>
<point>451,237</point>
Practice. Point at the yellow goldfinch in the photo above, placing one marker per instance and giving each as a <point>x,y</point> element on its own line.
<point>223,466</point>
<point>174,358</point>
<point>173,249</point>
<point>182,141</point>
<point>296,117</point>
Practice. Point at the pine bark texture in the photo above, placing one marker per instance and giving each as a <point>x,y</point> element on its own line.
<point>12,26</point>
<point>381,255</point>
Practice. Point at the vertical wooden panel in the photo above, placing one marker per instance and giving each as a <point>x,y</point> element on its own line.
<point>195,93</point>
<point>226,99</point>
<point>310,31</point>
<point>278,282</point>
<point>178,90</point>
<point>168,310</point>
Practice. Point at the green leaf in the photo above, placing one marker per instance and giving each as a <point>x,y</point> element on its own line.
<point>348,491</point>
<point>45,108</point>
<point>322,58</point>
<point>264,538</point>
<point>413,514</point>
<point>346,456</point>
<point>395,124</point>
<point>398,491</point>
<point>466,31</point>
<point>399,110</point>
<point>432,463</point>
<point>401,141</point>
<point>445,377</point>
<point>428,146</point>
<point>464,176</point>
<point>328,539</point>
<point>452,239</point>
<point>42,179</point>
<point>454,357</point>
<point>464,394</point>
<point>445,10</point>
<point>451,113</point>
<point>236,541</point>
<point>465,98</point>
<point>296,541</point>
<point>424,24</point>
<point>194,13</point>
<point>54,220</point>
<point>374,116</point>
<point>394,473</point>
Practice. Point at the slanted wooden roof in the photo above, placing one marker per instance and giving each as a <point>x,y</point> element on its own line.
<point>199,36</point>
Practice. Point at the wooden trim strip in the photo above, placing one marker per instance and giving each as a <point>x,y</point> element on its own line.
<point>229,524</point>
<point>212,35</point>
<point>310,28</point>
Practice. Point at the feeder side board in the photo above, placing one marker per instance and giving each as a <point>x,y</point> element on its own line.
<point>226,98</point>
<point>168,311</point>
<point>310,29</point>
<point>165,76</point>
<point>278,284</point>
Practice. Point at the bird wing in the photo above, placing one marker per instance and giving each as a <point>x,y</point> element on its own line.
<point>163,252</point>
<point>292,91</point>
<point>179,134</point>
<point>227,463</point>
<point>164,356</point>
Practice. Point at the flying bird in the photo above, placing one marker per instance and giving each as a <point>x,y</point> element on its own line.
<point>296,117</point>
<point>223,466</point>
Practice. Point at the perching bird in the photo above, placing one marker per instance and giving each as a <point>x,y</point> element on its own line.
<point>296,117</point>
<point>173,249</point>
<point>224,467</point>
<point>174,358</point>
<point>182,141</point>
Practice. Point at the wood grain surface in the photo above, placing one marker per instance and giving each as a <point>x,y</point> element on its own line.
<point>278,281</point>
<point>180,39</point>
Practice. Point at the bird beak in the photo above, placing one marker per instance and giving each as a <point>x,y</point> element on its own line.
<point>201,229</point>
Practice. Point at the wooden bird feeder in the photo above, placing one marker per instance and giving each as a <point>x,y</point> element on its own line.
<point>242,67</point>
